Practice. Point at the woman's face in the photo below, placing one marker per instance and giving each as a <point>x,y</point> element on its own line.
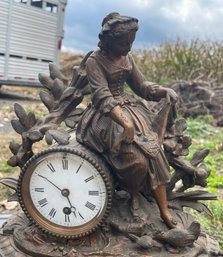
<point>122,45</point>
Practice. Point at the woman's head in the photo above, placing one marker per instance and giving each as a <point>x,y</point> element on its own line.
<point>118,32</point>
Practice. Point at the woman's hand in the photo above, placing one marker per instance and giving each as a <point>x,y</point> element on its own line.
<point>172,95</point>
<point>159,92</point>
<point>128,133</point>
<point>120,117</point>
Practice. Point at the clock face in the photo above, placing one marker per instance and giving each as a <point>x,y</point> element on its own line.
<point>64,192</point>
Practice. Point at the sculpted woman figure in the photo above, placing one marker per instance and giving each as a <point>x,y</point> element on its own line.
<point>120,127</point>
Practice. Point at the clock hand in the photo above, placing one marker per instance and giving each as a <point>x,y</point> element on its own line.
<point>49,181</point>
<point>73,209</point>
<point>81,215</point>
<point>66,192</point>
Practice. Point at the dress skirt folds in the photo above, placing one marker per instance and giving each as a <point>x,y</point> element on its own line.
<point>141,161</point>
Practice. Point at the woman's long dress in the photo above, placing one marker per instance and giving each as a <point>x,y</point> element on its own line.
<point>136,163</point>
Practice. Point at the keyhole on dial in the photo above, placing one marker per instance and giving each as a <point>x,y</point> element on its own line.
<point>67,210</point>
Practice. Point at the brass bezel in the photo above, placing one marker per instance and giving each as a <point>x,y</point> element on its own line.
<point>46,225</point>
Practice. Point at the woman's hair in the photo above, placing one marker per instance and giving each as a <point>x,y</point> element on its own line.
<point>115,25</point>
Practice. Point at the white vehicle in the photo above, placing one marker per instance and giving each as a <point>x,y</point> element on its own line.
<point>31,33</point>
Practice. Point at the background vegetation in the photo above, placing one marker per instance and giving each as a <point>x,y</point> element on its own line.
<point>182,60</point>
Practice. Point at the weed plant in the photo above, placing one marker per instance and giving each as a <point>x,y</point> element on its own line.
<point>206,136</point>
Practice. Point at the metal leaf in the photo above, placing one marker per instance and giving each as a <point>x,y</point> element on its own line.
<point>35,135</point>
<point>30,120</point>
<point>200,207</point>
<point>169,144</point>
<point>192,195</point>
<point>70,123</point>
<point>181,151</point>
<point>47,100</point>
<point>199,156</point>
<point>61,137</point>
<point>48,138</point>
<point>14,147</point>
<point>45,81</point>
<point>10,182</point>
<point>13,198</point>
<point>186,141</point>
<point>19,111</point>
<point>44,128</point>
<point>79,79</point>
<point>76,112</point>
<point>13,161</point>
<point>67,92</point>
<point>74,117</point>
<point>180,126</point>
<point>54,71</point>
<point>18,127</point>
<point>57,88</point>
<point>204,196</point>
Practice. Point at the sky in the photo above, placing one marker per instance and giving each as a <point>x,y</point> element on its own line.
<point>159,21</point>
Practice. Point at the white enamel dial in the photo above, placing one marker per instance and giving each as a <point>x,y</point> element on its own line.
<point>64,193</point>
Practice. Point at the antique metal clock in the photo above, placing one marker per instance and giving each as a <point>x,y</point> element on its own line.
<point>65,191</point>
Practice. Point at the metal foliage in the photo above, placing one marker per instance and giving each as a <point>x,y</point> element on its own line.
<point>190,173</point>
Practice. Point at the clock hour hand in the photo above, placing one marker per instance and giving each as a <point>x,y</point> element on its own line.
<point>50,182</point>
<point>72,208</point>
<point>65,192</point>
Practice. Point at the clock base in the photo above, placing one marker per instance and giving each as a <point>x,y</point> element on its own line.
<point>121,236</point>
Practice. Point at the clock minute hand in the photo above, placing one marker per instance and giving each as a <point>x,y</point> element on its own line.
<point>50,182</point>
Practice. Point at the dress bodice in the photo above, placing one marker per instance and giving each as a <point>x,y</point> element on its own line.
<point>107,80</point>
<point>116,75</point>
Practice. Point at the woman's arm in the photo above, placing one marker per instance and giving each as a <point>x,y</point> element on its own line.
<point>101,96</point>
<point>148,90</point>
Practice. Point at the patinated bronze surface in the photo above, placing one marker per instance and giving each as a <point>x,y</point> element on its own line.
<point>137,144</point>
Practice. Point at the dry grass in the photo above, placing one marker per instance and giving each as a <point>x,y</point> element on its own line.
<point>182,61</point>
<point>67,62</point>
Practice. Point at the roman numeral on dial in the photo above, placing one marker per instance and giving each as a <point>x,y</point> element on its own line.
<point>39,189</point>
<point>67,218</point>
<point>53,212</point>
<point>90,206</point>
<point>93,193</point>
<point>65,164</point>
<point>43,202</point>
<point>89,179</point>
<point>50,166</point>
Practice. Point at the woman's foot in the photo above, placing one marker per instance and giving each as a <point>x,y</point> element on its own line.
<point>169,220</point>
